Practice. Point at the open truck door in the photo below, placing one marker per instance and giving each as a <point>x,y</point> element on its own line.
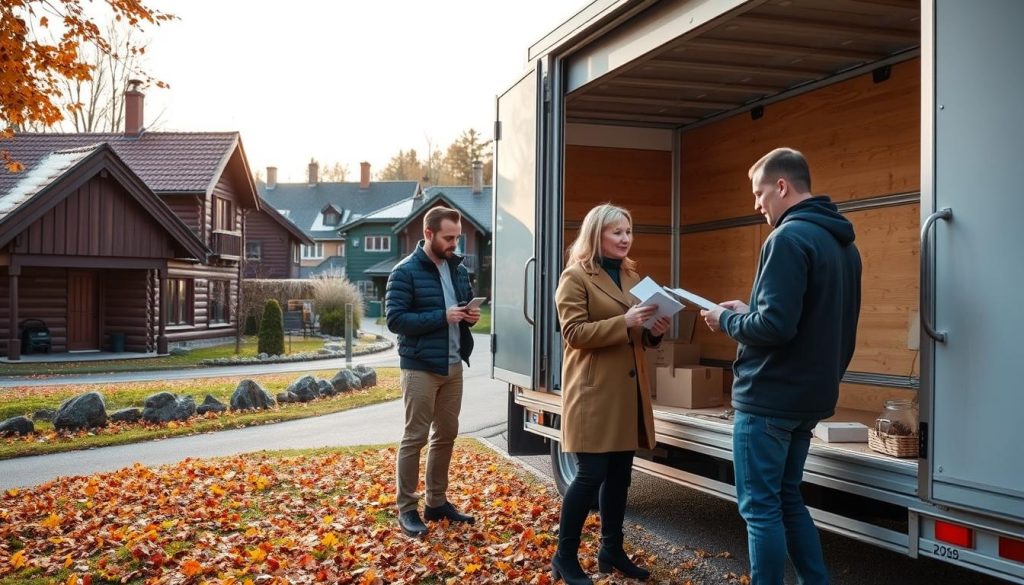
<point>972,259</point>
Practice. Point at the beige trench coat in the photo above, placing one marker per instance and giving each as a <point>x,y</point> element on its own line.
<point>603,362</point>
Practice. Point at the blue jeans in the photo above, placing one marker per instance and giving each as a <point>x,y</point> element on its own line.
<point>768,457</point>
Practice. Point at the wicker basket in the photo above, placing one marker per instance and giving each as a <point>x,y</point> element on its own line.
<point>895,445</point>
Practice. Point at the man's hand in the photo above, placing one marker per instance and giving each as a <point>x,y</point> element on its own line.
<point>472,316</point>
<point>661,326</point>
<point>713,316</point>
<point>456,314</point>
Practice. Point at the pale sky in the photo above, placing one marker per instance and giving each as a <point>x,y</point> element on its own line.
<point>340,81</point>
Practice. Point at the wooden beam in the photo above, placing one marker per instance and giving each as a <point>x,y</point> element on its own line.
<point>620,116</point>
<point>13,342</point>
<point>84,262</point>
<point>645,101</point>
<point>740,88</point>
<point>776,49</point>
<point>161,337</point>
<point>789,72</point>
<point>826,29</point>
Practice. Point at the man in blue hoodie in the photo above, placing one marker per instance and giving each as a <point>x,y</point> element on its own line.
<point>796,339</point>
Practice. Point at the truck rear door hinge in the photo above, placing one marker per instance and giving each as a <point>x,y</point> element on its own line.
<point>494,343</point>
<point>922,441</point>
<point>497,129</point>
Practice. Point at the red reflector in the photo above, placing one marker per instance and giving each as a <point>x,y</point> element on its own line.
<point>954,534</point>
<point>1010,548</point>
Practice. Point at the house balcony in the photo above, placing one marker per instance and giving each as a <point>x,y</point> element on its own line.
<point>226,245</point>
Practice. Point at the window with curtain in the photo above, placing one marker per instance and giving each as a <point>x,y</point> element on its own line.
<point>220,300</point>
<point>180,301</point>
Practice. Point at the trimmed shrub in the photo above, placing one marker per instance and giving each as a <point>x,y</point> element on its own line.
<point>271,335</point>
<point>252,325</point>
<point>330,294</point>
<point>333,323</point>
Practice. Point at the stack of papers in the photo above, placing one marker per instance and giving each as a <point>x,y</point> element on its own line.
<point>692,298</point>
<point>651,294</point>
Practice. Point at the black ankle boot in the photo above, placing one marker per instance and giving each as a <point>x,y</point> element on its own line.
<point>569,570</point>
<point>616,558</point>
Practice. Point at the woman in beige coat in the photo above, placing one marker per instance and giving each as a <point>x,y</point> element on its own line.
<point>606,398</point>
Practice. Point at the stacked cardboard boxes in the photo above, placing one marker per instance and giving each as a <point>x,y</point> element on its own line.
<point>677,378</point>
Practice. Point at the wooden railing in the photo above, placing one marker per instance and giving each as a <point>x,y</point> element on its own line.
<point>226,244</point>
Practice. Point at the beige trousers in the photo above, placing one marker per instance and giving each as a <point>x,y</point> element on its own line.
<point>432,405</point>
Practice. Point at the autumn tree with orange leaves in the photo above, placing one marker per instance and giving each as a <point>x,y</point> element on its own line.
<point>41,42</point>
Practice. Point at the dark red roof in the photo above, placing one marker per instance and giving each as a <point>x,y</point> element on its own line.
<point>165,161</point>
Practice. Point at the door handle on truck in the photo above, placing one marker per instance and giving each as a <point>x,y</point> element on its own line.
<point>526,288</point>
<point>926,293</point>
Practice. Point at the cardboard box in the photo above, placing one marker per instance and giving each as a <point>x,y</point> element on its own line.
<point>841,432</point>
<point>690,387</point>
<point>672,353</point>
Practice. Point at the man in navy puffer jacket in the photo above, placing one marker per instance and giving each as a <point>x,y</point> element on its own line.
<point>796,339</point>
<point>424,305</point>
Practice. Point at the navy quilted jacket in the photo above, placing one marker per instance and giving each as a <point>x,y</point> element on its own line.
<point>414,304</point>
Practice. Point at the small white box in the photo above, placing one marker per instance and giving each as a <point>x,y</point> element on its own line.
<point>841,432</point>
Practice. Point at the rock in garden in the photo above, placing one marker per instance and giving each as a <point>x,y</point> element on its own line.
<point>367,375</point>
<point>263,356</point>
<point>249,396</point>
<point>165,407</point>
<point>180,351</point>
<point>346,380</point>
<point>332,346</point>
<point>286,398</point>
<point>325,388</point>
<point>210,404</point>
<point>18,425</point>
<point>305,389</point>
<point>46,414</point>
<point>128,415</point>
<point>85,411</point>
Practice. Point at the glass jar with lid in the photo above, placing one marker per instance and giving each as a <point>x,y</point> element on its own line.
<point>899,418</point>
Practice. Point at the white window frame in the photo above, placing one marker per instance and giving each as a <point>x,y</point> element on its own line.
<point>377,243</point>
<point>314,252</point>
<point>367,289</point>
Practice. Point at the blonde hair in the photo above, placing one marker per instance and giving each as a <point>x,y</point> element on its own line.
<point>586,249</point>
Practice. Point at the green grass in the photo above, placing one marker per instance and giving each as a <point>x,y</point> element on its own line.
<point>482,326</point>
<point>26,400</point>
<point>171,362</point>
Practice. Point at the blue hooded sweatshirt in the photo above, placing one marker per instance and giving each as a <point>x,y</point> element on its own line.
<point>798,338</point>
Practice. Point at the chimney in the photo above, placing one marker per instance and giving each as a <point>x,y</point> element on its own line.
<point>478,177</point>
<point>271,177</point>
<point>314,172</point>
<point>133,115</point>
<point>364,175</point>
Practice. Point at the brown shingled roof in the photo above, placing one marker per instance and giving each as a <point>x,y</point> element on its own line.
<point>166,161</point>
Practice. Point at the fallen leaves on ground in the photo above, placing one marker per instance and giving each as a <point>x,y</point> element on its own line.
<point>261,519</point>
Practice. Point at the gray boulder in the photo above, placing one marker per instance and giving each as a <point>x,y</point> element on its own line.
<point>346,380</point>
<point>128,415</point>
<point>46,414</point>
<point>165,407</point>
<point>333,346</point>
<point>305,389</point>
<point>18,425</point>
<point>85,411</point>
<point>286,398</point>
<point>210,404</point>
<point>326,388</point>
<point>367,375</point>
<point>250,396</point>
<point>263,356</point>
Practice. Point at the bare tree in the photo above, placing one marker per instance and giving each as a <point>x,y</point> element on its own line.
<point>335,173</point>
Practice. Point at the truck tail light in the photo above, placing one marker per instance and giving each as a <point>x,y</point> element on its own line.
<point>1011,548</point>
<point>954,534</point>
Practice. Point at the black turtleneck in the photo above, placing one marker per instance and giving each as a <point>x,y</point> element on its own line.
<point>613,266</point>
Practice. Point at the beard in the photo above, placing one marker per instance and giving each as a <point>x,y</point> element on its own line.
<point>439,249</point>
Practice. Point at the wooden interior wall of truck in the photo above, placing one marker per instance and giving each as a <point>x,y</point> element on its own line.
<point>862,140</point>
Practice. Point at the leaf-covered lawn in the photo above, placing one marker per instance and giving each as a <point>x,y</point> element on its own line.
<point>265,518</point>
<point>25,400</point>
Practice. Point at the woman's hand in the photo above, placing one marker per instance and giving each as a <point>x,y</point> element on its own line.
<point>637,315</point>
<point>660,326</point>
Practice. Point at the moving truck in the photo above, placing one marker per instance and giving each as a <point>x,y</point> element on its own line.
<point>909,112</point>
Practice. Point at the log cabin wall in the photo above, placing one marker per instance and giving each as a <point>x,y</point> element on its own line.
<point>42,294</point>
<point>201,275</point>
<point>125,308</point>
<point>862,141</point>
<point>189,208</point>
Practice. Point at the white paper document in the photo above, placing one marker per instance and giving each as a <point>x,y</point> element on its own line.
<point>692,298</point>
<point>650,294</point>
